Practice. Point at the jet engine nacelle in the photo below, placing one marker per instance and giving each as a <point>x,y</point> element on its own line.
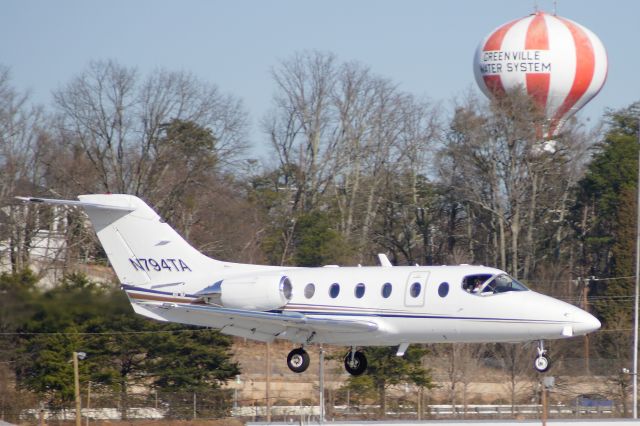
<point>254,292</point>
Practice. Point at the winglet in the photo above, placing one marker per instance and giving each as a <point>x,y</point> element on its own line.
<point>384,260</point>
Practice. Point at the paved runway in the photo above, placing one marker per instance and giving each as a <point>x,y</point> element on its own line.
<point>564,422</point>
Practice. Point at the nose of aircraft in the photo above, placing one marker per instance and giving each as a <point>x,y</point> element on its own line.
<point>584,322</point>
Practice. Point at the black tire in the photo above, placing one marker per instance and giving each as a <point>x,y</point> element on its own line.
<point>298,360</point>
<point>542,363</point>
<point>359,364</point>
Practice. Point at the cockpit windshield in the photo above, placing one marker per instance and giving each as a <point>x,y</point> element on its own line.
<point>485,284</point>
<point>502,283</point>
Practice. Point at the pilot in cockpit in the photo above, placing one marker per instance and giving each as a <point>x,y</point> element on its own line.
<point>474,284</point>
<point>485,285</point>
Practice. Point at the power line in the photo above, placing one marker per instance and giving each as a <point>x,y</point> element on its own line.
<point>611,279</point>
<point>591,278</point>
<point>102,333</point>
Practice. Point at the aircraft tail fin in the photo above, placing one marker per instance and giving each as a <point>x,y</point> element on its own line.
<point>143,250</point>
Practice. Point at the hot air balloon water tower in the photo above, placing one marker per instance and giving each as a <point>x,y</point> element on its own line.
<point>558,62</point>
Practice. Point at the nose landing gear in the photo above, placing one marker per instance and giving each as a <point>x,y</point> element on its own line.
<point>542,363</point>
<point>298,360</point>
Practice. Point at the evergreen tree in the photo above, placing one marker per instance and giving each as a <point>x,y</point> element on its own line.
<point>17,292</point>
<point>197,361</point>
<point>123,349</point>
<point>386,369</point>
<point>316,242</point>
<point>605,218</point>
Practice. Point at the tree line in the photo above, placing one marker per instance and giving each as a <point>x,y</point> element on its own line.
<point>357,167</point>
<point>42,328</point>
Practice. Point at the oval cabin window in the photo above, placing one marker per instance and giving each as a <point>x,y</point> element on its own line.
<point>386,290</point>
<point>415,290</point>
<point>334,290</point>
<point>309,290</point>
<point>443,290</point>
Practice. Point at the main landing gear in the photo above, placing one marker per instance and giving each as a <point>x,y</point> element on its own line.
<point>354,361</point>
<point>542,363</point>
<point>298,360</point>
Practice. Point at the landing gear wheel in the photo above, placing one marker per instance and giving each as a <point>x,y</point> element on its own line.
<point>298,360</point>
<point>542,363</point>
<point>355,363</point>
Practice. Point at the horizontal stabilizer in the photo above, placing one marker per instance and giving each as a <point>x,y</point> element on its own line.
<point>76,203</point>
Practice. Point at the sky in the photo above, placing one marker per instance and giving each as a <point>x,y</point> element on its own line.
<point>425,47</point>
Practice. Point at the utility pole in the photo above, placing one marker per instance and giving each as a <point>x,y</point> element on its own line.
<point>548,382</point>
<point>268,383</point>
<point>585,306</point>
<point>88,401</point>
<point>76,383</point>
<point>42,423</point>
<point>195,406</point>
<point>544,405</point>
<point>321,383</point>
<point>635,310</point>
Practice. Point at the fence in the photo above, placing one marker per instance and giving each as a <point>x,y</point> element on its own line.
<point>484,393</point>
<point>202,406</point>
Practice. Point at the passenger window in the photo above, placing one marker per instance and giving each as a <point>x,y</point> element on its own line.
<point>359,291</point>
<point>415,290</point>
<point>286,288</point>
<point>334,290</point>
<point>309,290</point>
<point>386,290</point>
<point>443,290</point>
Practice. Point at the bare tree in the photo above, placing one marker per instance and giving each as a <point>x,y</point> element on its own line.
<point>21,132</point>
<point>156,137</point>
<point>516,362</point>
<point>619,386</point>
<point>118,119</point>
<point>302,125</point>
<point>515,188</point>
<point>462,367</point>
<point>340,133</point>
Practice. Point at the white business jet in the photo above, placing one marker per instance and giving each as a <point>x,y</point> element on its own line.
<point>167,279</point>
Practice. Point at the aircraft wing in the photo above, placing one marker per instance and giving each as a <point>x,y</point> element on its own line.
<point>264,326</point>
